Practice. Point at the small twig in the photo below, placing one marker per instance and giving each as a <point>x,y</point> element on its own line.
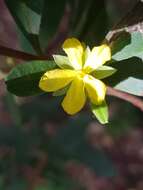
<point>137,102</point>
<point>5,51</point>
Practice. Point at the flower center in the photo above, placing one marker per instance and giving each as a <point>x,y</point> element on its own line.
<point>81,74</point>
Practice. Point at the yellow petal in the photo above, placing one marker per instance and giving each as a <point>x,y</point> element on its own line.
<point>98,56</point>
<point>56,79</point>
<point>95,88</point>
<point>74,51</point>
<point>75,97</point>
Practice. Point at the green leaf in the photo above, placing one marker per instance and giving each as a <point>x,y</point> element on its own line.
<point>127,46</point>
<point>132,67</point>
<point>103,72</point>
<point>131,85</point>
<point>101,112</point>
<point>25,44</point>
<point>51,16</point>
<point>87,28</point>
<point>38,20</point>
<point>23,80</point>
<point>62,61</point>
<point>27,17</point>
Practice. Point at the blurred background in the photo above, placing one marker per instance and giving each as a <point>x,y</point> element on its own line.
<point>43,148</point>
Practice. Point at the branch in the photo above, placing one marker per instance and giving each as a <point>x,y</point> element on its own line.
<point>137,102</point>
<point>20,54</point>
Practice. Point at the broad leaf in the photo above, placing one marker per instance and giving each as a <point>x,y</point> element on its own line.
<point>127,45</point>
<point>101,112</point>
<point>28,18</point>
<point>128,68</point>
<point>23,80</point>
<point>84,26</point>
<point>51,16</point>
<point>131,85</point>
<point>131,22</point>
<point>129,76</point>
<point>38,20</point>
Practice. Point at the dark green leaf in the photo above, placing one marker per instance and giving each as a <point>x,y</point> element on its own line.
<point>27,19</point>
<point>38,20</point>
<point>51,17</point>
<point>23,80</point>
<point>88,25</point>
<point>128,68</point>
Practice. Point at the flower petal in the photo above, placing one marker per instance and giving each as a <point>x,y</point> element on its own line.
<point>96,89</point>
<point>56,79</point>
<point>98,56</point>
<point>74,50</point>
<point>75,97</point>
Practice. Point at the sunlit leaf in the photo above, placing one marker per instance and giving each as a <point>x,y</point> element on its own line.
<point>127,46</point>
<point>101,112</point>
<point>131,85</point>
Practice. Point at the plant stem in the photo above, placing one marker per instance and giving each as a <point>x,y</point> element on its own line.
<point>137,102</point>
<point>5,51</point>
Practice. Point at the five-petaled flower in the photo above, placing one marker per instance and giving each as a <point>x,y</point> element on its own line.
<point>81,70</point>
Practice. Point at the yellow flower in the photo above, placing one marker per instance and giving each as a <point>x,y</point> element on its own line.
<point>77,70</point>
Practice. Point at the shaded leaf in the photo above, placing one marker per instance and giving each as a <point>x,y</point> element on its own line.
<point>23,80</point>
<point>132,67</point>
<point>36,20</point>
<point>51,16</point>
<point>131,22</point>
<point>61,91</point>
<point>85,27</point>
<point>27,19</point>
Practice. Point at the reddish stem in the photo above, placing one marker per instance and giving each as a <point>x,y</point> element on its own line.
<point>5,51</point>
<point>137,102</point>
